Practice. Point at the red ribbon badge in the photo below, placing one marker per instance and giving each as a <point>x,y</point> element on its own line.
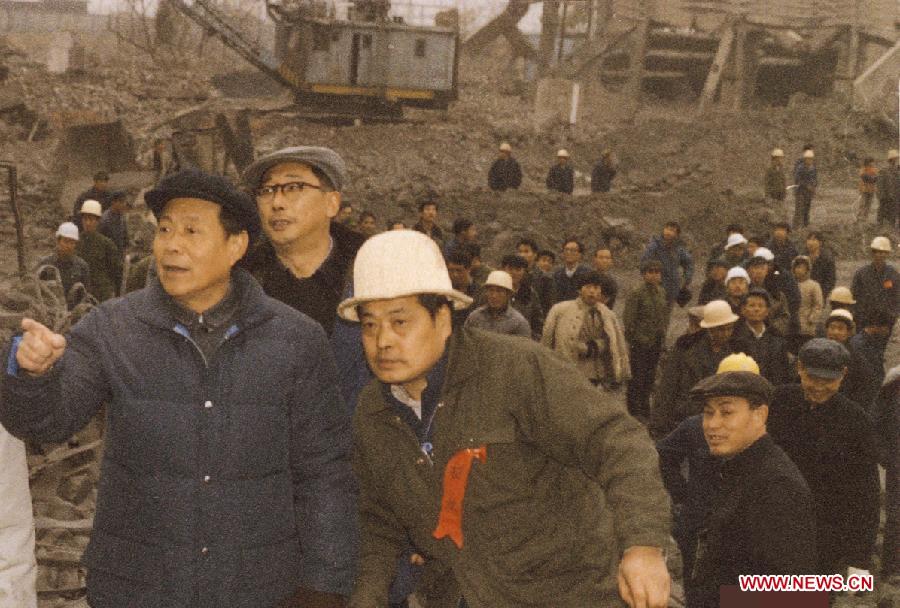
<point>456,477</point>
<point>888,284</point>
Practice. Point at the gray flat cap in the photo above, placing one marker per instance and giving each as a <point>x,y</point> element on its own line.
<point>325,159</point>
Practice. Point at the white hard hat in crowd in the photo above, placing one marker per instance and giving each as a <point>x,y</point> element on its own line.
<point>736,272</point>
<point>778,152</point>
<point>892,154</point>
<point>809,154</point>
<point>499,278</point>
<point>841,295</point>
<point>764,253</point>
<point>505,147</point>
<point>880,243</point>
<point>716,313</point>
<point>563,153</point>
<point>840,312</point>
<point>92,207</point>
<point>397,264</point>
<point>735,239</point>
<point>738,362</point>
<point>67,230</point>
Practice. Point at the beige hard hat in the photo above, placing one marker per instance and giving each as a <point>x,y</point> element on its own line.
<point>809,154</point>
<point>738,362</point>
<point>716,313</point>
<point>778,152</point>
<point>499,278</point>
<point>91,207</point>
<point>505,147</point>
<point>67,230</point>
<point>880,243</point>
<point>892,154</point>
<point>562,153</point>
<point>397,264</point>
<point>841,295</point>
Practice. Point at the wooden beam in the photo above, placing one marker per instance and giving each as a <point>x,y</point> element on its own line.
<point>673,55</point>
<point>717,67</point>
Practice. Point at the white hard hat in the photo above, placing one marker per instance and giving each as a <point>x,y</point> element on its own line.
<point>841,295</point>
<point>842,313</point>
<point>809,154</point>
<point>735,239</point>
<point>499,278</point>
<point>505,147</point>
<point>716,313</point>
<point>764,253</point>
<point>562,153</point>
<point>892,154</point>
<point>778,152</point>
<point>67,230</point>
<point>397,264</point>
<point>92,207</point>
<point>880,243</point>
<point>736,272</point>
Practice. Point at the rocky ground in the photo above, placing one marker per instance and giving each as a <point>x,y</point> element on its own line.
<point>704,171</point>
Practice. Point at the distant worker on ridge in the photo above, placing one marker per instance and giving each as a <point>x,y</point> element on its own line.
<point>505,173</point>
<point>561,177</point>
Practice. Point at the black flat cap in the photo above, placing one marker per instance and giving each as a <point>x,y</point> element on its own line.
<point>824,358</point>
<point>193,183</point>
<point>748,385</point>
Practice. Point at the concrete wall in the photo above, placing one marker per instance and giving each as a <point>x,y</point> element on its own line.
<point>876,88</point>
<point>27,17</point>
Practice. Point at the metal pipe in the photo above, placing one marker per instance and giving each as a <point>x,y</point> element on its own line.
<point>12,182</point>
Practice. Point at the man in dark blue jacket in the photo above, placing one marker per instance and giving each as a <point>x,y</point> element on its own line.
<point>677,263</point>
<point>225,478</point>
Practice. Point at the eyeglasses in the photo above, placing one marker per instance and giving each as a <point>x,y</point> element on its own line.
<point>290,190</point>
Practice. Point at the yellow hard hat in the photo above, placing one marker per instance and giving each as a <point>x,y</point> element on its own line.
<point>738,362</point>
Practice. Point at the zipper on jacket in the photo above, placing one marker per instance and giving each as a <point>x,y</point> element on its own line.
<point>182,331</point>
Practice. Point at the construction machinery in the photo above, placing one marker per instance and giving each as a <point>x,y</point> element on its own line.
<point>357,61</point>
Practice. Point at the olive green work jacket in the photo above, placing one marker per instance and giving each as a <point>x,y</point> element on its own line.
<point>570,482</point>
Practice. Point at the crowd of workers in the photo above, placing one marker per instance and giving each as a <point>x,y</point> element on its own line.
<point>485,437</point>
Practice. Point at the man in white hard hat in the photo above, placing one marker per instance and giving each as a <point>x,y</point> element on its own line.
<point>72,269</point>
<point>549,470</point>
<point>876,285</point>
<point>806,181</point>
<point>685,368</point>
<point>776,182</point>
<point>100,253</point>
<point>888,188</point>
<point>561,177</point>
<point>496,314</point>
<point>505,172</point>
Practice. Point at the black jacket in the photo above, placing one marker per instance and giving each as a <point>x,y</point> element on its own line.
<point>602,176</point>
<point>823,271</point>
<point>769,352</point>
<point>505,174</point>
<point>761,522</point>
<point>225,481</point>
<point>836,448</point>
<point>316,296</point>
<point>561,178</point>
<point>564,286</point>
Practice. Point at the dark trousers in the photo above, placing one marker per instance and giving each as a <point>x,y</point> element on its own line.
<point>644,360</point>
<point>891,552</point>
<point>802,203</point>
<point>887,212</point>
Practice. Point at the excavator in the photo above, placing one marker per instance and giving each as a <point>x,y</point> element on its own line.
<point>346,59</point>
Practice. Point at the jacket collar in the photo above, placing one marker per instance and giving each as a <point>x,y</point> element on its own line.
<point>748,459</point>
<point>460,366</point>
<point>155,307</point>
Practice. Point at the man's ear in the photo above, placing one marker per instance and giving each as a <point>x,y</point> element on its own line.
<point>444,321</point>
<point>236,246</point>
<point>333,203</point>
